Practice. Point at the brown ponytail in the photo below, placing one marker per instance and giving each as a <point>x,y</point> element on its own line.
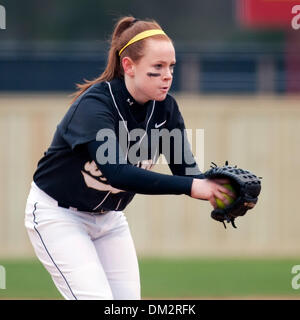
<point>125,29</point>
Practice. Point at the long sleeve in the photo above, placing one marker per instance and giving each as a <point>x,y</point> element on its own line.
<point>133,179</point>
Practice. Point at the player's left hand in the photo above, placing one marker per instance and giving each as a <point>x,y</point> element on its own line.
<point>245,184</point>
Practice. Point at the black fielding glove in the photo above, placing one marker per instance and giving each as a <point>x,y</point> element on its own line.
<point>246,185</point>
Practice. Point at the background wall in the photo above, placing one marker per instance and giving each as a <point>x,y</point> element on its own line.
<point>256,132</point>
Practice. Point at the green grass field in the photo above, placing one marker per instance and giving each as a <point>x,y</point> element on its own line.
<point>173,279</point>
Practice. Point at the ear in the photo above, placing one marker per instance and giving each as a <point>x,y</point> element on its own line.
<point>128,66</point>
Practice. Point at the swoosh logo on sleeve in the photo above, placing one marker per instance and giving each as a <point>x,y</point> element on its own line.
<point>159,125</point>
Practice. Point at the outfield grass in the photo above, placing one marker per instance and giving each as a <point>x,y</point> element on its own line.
<point>172,278</point>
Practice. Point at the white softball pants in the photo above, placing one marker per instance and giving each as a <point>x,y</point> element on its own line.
<point>88,256</point>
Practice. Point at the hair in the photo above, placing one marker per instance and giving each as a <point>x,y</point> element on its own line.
<point>125,29</point>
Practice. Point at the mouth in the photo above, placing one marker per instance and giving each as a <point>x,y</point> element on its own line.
<point>164,89</point>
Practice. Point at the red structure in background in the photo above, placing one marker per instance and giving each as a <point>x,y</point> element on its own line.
<point>277,15</point>
<point>265,13</point>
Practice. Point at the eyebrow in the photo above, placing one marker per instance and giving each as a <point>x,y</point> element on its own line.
<point>164,62</point>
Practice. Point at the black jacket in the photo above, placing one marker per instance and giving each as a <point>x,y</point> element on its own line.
<point>73,170</point>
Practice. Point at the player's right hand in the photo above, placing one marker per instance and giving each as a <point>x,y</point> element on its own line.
<point>205,189</point>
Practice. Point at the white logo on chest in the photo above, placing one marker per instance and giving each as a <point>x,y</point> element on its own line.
<point>159,125</point>
<point>130,102</point>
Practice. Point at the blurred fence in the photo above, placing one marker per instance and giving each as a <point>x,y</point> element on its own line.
<point>209,69</point>
<point>256,132</point>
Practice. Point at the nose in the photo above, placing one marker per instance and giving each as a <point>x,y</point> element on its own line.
<point>168,75</point>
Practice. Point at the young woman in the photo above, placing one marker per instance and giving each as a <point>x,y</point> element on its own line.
<point>99,159</point>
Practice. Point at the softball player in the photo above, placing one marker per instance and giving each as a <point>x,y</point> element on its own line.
<point>74,212</point>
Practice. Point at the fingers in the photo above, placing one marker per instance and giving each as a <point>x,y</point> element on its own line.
<point>213,202</point>
<point>220,182</point>
<point>221,196</point>
<point>227,191</point>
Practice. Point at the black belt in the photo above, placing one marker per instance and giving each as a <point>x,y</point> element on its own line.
<point>102,211</point>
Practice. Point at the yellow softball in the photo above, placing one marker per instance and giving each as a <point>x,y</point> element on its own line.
<point>220,203</point>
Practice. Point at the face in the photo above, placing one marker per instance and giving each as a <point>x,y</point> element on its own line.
<point>151,77</point>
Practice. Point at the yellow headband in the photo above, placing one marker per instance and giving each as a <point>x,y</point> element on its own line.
<point>141,36</point>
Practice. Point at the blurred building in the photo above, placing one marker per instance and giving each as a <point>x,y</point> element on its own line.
<point>51,46</point>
